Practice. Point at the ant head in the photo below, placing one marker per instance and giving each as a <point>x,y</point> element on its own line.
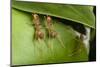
<point>48,19</point>
<point>35,16</point>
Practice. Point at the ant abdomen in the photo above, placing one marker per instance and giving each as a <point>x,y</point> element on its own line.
<point>53,34</point>
<point>39,35</point>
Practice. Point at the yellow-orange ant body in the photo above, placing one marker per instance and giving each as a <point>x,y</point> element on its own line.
<point>51,31</point>
<point>37,26</point>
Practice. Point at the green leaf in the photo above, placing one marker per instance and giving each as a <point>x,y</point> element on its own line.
<point>26,50</point>
<point>77,13</point>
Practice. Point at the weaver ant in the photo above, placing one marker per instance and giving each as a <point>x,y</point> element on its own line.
<point>51,31</point>
<point>37,26</point>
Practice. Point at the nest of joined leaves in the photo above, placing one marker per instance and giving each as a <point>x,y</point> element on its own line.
<point>46,33</point>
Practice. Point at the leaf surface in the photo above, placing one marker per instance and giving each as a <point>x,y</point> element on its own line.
<point>77,13</point>
<point>27,50</point>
